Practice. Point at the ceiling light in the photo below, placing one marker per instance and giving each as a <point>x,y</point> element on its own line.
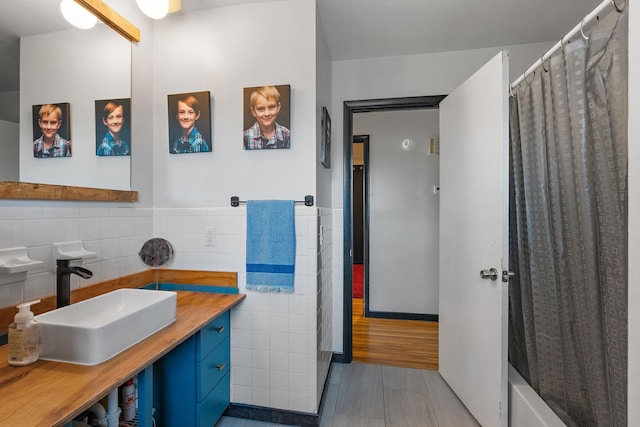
<point>77,15</point>
<point>154,9</point>
<point>158,9</point>
<point>174,5</point>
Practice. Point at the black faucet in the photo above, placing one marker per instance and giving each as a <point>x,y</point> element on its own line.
<point>63,280</point>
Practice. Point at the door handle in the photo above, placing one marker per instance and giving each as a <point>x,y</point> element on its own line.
<point>492,274</point>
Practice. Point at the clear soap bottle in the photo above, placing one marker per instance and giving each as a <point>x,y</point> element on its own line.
<point>24,336</point>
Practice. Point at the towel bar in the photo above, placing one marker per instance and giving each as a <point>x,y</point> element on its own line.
<point>308,201</point>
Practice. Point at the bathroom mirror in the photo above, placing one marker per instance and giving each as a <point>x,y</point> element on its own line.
<point>55,63</point>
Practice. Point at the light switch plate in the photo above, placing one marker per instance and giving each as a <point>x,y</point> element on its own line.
<point>209,234</point>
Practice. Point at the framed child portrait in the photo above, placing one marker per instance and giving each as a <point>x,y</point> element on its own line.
<point>325,154</point>
<point>113,127</point>
<point>51,130</point>
<point>266,120</point>
<point>189,122</point>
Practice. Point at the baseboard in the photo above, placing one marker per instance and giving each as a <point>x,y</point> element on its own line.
<point>402,316</point>
<point>339,358</point>
<point>280,416</point>
<point>272,415</point>
<point>324,389</point>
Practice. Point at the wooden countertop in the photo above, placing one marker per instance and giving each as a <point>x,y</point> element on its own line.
<point>53,393</point>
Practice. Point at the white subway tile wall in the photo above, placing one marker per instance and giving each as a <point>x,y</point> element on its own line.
<point>324,332</point>
<point>114,234</point>
<point>277,358</point>
<point>281,344</point>
<point>338,274</point>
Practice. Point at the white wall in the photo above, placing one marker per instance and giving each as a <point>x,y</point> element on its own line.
<point>224,50</point>
<point>81,67</point>
<point>323,99</point>
<point>400,76</point>
<point>9,106</point>
<point>324,242</point>
<point>9,134</point>
<point>142,171</point>
<point>403,228</point>
<point>276,359</point>
<point>633,377</point>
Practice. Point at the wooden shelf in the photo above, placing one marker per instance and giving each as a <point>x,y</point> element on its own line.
<point>33,191</point>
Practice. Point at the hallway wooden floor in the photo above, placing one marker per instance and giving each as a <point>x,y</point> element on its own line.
<point>405,343</point>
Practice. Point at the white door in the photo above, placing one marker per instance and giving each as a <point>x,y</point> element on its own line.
<point>474,137</point>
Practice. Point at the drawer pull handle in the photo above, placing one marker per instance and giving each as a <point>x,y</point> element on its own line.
<point>219,329</point>
<point>220,367</point>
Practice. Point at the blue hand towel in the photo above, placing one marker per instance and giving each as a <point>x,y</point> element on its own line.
<point>271,245</point>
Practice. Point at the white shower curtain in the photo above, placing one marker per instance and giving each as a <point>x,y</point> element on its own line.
<point>568,302</point>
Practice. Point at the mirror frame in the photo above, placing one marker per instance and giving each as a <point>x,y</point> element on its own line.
<point>33,191</point>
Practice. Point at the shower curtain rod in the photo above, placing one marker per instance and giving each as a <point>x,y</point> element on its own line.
<point>606,5</point>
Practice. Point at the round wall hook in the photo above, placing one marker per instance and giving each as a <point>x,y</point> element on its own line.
<point>408,144</point>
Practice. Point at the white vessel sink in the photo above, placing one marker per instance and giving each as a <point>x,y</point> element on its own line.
<point>93,331</point>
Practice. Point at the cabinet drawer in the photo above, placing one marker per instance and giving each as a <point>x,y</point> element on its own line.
<point>214,405</point>
<point>213,368</point>
<point>212,335</point>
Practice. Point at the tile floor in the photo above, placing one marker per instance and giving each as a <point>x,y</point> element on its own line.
<point>366,395</point>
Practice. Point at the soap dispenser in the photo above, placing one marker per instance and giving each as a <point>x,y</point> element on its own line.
<point>24,336</point>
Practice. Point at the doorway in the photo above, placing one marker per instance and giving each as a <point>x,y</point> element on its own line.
<point>360,220</point>
<point>351,108</point>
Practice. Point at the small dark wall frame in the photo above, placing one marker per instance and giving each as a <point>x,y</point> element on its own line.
<point>193,144</point>
<point>325,153</point>
<point>65,126</point>
<point>124,148</point>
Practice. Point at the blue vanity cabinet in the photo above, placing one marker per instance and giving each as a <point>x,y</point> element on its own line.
<point>192,382</point>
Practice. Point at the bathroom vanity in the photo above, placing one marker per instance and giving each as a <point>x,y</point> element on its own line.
<point>188,360</point>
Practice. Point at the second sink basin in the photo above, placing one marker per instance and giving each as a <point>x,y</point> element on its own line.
<point>95,330</point>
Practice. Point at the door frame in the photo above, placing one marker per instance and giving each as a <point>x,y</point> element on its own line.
<point>349,109</point>
<point>364,140</point>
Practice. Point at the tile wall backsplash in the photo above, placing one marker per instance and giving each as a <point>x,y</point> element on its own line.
<point>276,359</point>
<point>281,344</point>
<point>114,234</point>
<point>324,331</point>
<point>337,273</point>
